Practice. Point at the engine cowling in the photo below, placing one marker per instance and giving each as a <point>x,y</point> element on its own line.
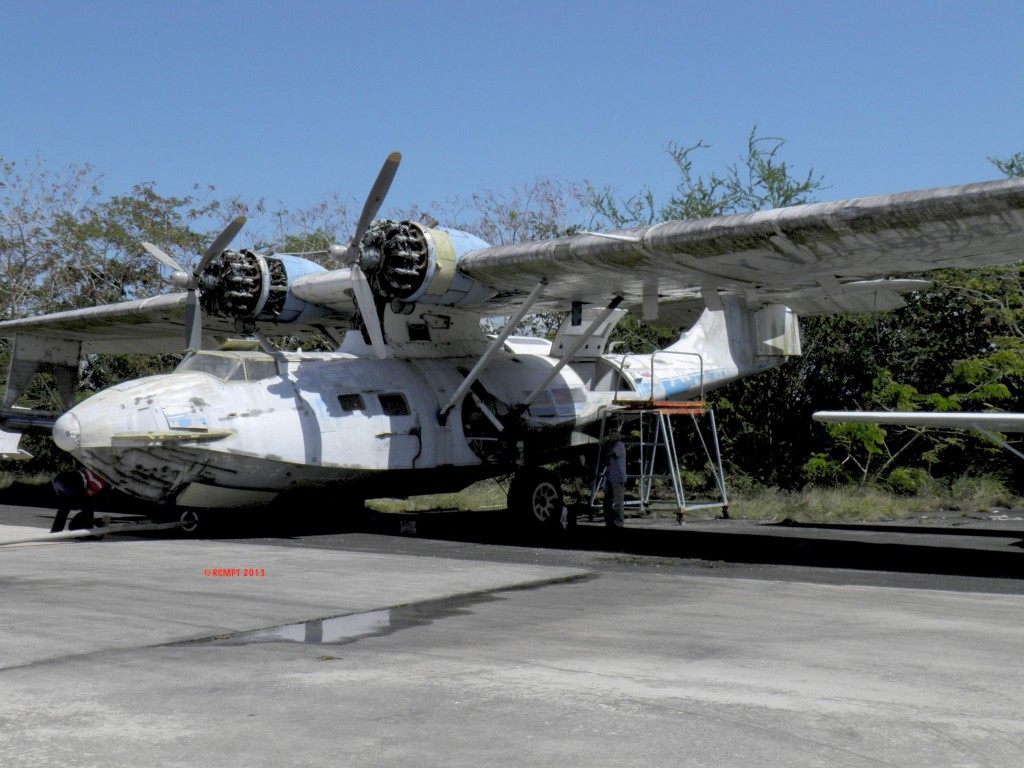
<point>252,286</point>
<point>411,263</point>
<point>405,263</point>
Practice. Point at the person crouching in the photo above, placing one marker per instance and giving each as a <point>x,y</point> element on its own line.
<point>76,489</point>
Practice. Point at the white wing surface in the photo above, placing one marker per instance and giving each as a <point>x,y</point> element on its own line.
<point>155,325</point>
<point>815,254</point>
<point>818,258</point>
<point>983,422</point>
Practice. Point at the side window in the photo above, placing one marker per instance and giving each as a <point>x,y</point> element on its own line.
<point>257,370</point>
<point>351,403</point>
<point>393,404</point>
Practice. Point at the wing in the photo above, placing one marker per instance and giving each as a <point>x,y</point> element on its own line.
<point>155,325</point>
<point>983,422</point>
<point>819,258</point>
<point>816,258</point>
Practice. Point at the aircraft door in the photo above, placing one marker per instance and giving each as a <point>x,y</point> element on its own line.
<point>397,435</point>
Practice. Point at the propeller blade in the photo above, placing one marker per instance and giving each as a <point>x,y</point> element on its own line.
<point>368,309</point>
<point>193,322</point>
<point>162,257</point>
<point>223,241</point>
<point>377,194</point>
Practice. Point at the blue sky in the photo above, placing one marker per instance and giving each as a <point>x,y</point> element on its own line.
<point>291,101</point>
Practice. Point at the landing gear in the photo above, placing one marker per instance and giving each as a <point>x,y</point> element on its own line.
<point>536,498</point>
<point>189,520</point>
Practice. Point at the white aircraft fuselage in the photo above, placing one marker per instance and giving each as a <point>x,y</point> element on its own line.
<point>237,428</point>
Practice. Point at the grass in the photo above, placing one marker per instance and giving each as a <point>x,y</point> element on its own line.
<point>479,497</point>
<point>967,494</point>
<point>821,505</point>
<point>7,479</point>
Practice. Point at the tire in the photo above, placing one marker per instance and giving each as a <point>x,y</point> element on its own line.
<point>536,498</point>
<point>189,522</point>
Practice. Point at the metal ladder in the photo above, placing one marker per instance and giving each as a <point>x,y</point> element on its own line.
<point>648,435</point>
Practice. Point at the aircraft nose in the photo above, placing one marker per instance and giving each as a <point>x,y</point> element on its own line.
<point>67,432</point>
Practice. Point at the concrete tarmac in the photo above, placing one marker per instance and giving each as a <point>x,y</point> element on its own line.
<point>168,652</point>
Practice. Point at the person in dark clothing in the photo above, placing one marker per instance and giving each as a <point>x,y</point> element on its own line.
<point>615,482</point>
<point>76,489</point>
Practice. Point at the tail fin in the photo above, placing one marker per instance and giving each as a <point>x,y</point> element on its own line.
<point>734,341</point>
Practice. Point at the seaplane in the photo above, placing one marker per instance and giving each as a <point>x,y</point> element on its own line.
<point>414,396</point>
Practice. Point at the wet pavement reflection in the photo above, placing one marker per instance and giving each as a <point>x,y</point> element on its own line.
<point>340,630</point>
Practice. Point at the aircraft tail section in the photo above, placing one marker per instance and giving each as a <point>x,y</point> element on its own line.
<point>725,344</point>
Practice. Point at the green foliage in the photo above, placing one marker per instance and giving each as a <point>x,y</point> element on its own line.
<point>540,210</point>
<point>971,492</point>
<point>1012,167</point>
<point>908,481</point>
<point>634,335</point>
<point>34,203</point>
<point>821,469</point>
<point>911,493</point>
<point>759,180</point>
<point>820,505</point>
<point>481,496</point>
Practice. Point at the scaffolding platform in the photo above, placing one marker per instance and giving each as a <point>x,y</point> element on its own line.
<point>648,430</point>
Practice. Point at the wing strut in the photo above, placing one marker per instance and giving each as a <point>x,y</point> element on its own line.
<point>998,441</point>
<point>494,346</point>
<point>569,353</point>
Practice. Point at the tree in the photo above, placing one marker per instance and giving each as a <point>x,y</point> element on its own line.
<point>539,210</point>
<point>33,202</point>
<point>958,346</point>
<point>759,180</point>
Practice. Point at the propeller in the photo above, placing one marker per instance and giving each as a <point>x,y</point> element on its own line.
<point>348,254</point>
<point>190,282</point>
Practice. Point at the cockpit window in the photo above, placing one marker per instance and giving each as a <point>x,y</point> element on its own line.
<point>221,367</point>
<point>260,369</point>
<point>228,367</point>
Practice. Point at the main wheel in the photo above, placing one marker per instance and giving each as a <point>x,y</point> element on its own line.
<point>189,522</point>
<point>536,497</point>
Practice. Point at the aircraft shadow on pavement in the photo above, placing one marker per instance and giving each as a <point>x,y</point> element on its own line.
<point>893,548</point>
<point>801,545</point>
